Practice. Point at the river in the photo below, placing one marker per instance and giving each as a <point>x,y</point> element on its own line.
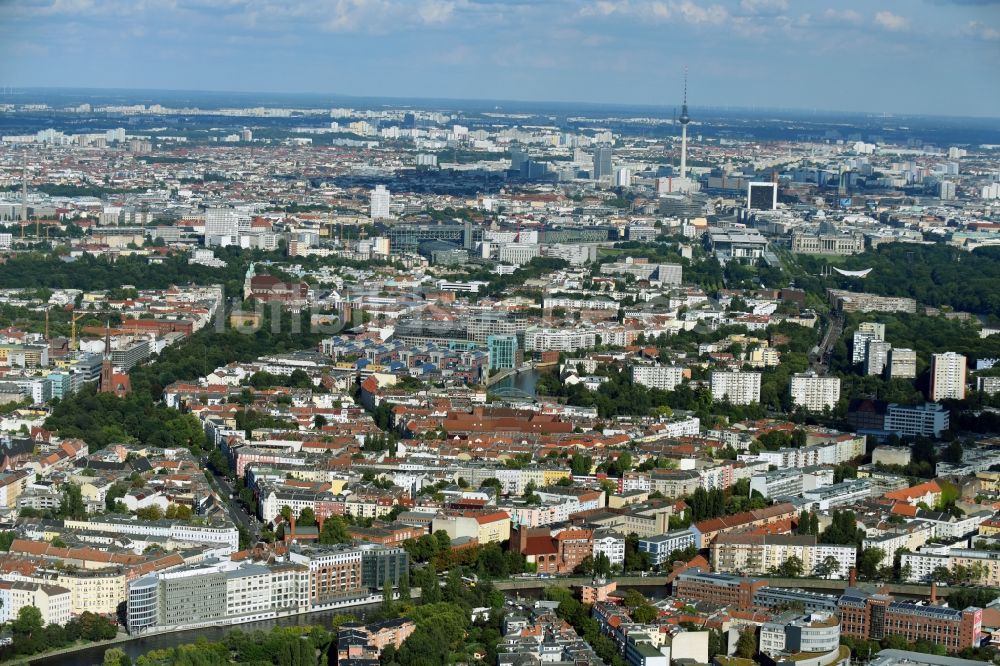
<point>525,380</point>
<point>143,644</point>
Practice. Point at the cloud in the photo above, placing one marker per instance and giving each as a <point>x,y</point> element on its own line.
<point>982,31</point>
<point>842,16</point>
<point>892,22</point>
<point>661,10</point>
<point>764,7</point>
<point>436,11</point>
<point>381,16</point>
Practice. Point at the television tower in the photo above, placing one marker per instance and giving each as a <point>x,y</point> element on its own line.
<point>24,190</point>
<point>684,120</point>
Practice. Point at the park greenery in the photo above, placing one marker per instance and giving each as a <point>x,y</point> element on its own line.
<point>935,274</point>
<point>31,636</point>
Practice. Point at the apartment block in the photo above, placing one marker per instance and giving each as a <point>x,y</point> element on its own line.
<point>739,388</point>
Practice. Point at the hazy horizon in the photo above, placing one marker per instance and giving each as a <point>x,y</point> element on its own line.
<point>904,57</point>
<point>7,93</point>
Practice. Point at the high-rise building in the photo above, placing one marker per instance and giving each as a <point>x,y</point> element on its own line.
<point>762,196</point>
<point>946,190</point>
<point>503,351</point>
<point>602,161</point>
<point>902,363</point>
<point>623,178</point>
<point>663,377</point>
<point>222,226</point>
<point>813,392</point>
<point>867,331</point>
<point>518,157</point>
<point>740,388</point>
<point>380,200</point>
<point>947,377</point>
<point>877,357</point>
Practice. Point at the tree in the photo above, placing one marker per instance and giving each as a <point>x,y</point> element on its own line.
<point>746,645</point>
<point>430,591</point>
<point>953,453</point>
<point>307,518</point>
<point>633,599</point>
<point>28,621</point>
<point>72,505</point>
<point>151,512</point>
<point>791,568</point>
<point>869,561</point>
<point>404,587</point>
<point>645,613</point>
<point>116,657</point>
<point>829,566</point>
<point>602,565</point>
<point>387,604</point>
<point>334,531</point>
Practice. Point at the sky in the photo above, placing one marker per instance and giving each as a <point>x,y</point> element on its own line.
<point>880,56</point>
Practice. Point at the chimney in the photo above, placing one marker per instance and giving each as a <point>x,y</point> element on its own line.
<point>933,593</point>
<point>291,535</point>
<point>319,521</point>
<point>853,580</point>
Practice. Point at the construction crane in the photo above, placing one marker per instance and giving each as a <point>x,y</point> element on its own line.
<point>75,317</point>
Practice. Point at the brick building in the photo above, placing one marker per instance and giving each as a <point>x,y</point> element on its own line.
<point>553,554</point>
<point>874,616</point>
<point>723,589</point>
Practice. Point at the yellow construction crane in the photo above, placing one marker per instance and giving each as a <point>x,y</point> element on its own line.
<point>76,316</point>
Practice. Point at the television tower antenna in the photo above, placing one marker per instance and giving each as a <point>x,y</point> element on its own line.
<point>684,120</point>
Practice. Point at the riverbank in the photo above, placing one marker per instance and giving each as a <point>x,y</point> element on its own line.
<point>89,654</point>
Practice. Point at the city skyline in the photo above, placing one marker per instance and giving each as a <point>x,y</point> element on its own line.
<point>771,54</point>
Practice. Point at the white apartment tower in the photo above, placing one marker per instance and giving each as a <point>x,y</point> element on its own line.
<point>740,388</point>
<point>380,200</point>
<point>947,377</point>
<point>813,392</point>
<point>867,331</point>
<point>664,377</point>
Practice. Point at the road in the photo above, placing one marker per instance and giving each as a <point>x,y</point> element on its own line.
<point>820,359</point>
<point>237,511</point>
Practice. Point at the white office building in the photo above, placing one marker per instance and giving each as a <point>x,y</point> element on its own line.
<point>222,226</point>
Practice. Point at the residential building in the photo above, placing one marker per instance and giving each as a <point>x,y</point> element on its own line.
<point>660,547</point>
<point>902,363</point>
<point>947,377</point>
<point>760,554</point>
<point>662,377</point>
<point>54,602</point>
<point>739,388</point>
<point>867,332</point>
<point>877,357</point>
<point>611,544</point>
<point>839,494</point>
<point>813,392</point>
